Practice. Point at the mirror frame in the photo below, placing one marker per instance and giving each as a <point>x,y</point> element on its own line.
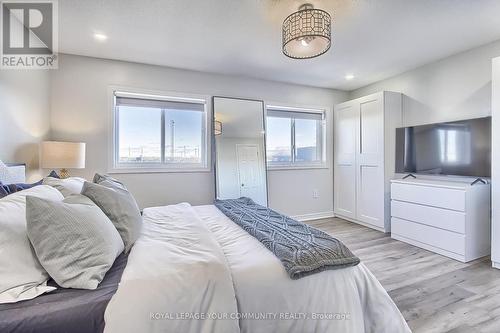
<point>214,146</point>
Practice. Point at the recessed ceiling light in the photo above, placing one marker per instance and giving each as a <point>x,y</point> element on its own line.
<point>349,77</point>
<point>100,37</point>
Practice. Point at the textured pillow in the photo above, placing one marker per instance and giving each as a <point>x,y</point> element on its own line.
<point>73,239</point>
<point>5,190</point>
<point>108,181</point>
<point>21,275</point>
<point>67,186</point>
<point>120,206</point>
<point>53,174</point>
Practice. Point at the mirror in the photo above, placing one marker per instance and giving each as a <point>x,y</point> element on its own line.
<point>240,164</point>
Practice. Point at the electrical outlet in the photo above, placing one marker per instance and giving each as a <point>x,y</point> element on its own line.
<point>315,194</point>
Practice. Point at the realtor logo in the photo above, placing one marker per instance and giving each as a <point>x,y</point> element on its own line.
<point>29,34</point>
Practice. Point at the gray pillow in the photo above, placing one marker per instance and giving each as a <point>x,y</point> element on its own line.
<point>120,207</point>
<point>73,239</point>
<point>108,181</point>
<point>67,186</point>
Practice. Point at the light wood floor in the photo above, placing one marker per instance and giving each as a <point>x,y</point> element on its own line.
<point>434,293</point>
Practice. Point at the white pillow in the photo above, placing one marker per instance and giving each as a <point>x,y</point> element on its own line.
<point>22,275</point>
<point>67,186</point>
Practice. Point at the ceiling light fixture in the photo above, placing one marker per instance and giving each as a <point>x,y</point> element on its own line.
<point>307,33</point>
<point>100,37</point>
<point>349,77</point>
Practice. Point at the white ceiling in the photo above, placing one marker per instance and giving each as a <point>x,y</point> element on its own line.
<point>372,39</point>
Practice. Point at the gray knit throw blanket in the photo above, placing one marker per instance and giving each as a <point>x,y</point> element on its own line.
<point>302,249</point>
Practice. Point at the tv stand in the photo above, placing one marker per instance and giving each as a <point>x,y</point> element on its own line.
<point>451,218</point>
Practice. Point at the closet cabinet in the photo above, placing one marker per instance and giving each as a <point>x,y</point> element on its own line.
<point>364,157</point>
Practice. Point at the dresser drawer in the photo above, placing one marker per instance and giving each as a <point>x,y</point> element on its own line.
<point>432,216</point>
<point>439,238</point>
<point>429,195</point>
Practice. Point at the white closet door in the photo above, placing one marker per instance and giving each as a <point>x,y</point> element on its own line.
<point>370,161</point>
<point>346,132</point>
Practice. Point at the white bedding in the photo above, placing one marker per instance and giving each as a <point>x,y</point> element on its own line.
<point>195,260</point>
<point>22,277</point>
<point>176,267</point>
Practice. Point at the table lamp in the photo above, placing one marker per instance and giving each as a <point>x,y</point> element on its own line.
<point>63,156</point>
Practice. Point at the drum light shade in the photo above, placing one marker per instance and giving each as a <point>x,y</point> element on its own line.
<point>307,33</point>
<point>62,155</point>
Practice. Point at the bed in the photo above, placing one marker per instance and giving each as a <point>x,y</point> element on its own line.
<point>64,310</point>
<point>194,270</point>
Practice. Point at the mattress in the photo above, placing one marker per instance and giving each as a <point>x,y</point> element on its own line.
<point>64,310</point>
<point>348,300</point>
<point>193,270</point>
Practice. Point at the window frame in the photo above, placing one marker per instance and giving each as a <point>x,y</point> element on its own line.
<point>321,138</point>
<point>115,166</point>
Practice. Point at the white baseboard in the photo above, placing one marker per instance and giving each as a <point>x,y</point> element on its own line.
<point>495,264</point>
<point>313,216</point>
<point>364,224</point>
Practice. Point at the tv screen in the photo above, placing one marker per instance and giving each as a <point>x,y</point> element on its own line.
<point>461,148</point>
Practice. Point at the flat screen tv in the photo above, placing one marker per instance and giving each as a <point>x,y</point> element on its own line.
<point>461,148</point>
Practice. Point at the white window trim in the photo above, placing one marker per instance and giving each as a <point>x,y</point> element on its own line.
<point>122,168</point>
<point>324,164</point>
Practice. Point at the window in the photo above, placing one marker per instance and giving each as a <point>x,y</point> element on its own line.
<point>157,132</point>
<point>279,140</point>
<point>295,138</point>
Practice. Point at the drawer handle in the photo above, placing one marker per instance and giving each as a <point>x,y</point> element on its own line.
<point>478,180</point>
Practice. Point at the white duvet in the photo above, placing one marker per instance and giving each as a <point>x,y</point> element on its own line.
<point>194,270</point>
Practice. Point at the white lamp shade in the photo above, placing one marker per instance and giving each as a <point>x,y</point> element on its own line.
<point>62,155</point>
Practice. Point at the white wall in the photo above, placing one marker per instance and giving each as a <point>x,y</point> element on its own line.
<point>25,117</point>
<point>495,168</point>
<point>457,87</point>
<point>80,112</point>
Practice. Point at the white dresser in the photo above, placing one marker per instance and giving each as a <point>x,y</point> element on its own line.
<point>451,218</point>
